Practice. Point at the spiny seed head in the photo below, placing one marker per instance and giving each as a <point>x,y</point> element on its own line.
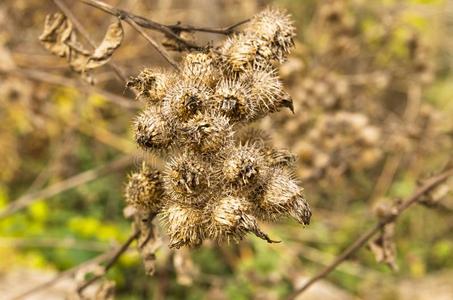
<point>239,52</point>
<point>187,179</point>
<point>245,167</point>
<point>185,99</point>
<point>230,220</point>
<point>144,189</point>
<point>216,184</point>
<point>227,220</point>
<point>201,66</point>
<point>152,131</point>
<point>275,29</point>
<point>283,196</point>
<point>207,133</point>
<point>266,90</point>
<point>152,84</point>
<point>232,98</point>
<point>185,225</point>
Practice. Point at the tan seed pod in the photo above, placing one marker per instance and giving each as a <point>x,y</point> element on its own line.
<point>229,221</point>
<point>283,196</point>
<point>245,167</point>
<point>185,99</point>
<point>201,66</point>
<point>152,131</point>
<point>266,91</point>
<point>275,29</point>
<point>152,84</point>
<point>207,133</point>
<point>239,53</point>
<point>232,98</point>
<point>187,179</point>
<point>144,189</point>
<point>186,225</point>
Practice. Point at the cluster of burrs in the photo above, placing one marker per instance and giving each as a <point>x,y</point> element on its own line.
<point>220,179</point>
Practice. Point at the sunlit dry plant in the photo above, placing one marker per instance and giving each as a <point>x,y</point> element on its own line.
<point>216,184</point>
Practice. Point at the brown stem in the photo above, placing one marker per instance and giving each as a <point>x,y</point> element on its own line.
<point>156,46</point>
<point>111,262</point>
<point>141,21</point>
<point>69,272</point>
<point>42,76</point>
<point>365,237</point>
<point>222,30</point>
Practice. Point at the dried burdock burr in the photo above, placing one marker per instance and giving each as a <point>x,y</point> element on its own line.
<point>185,99</point>
<point>185,224</point>
<point>187,179</point>
<point>144,189</point>
<point>152,84</point>
<point>217,184</point>
<point>207,133</point>
<point>275,33</point>
<point>201,66</point>
<point>283,196</point>
<point>153,131</point>
<point>232,98</point>
<point>267,91</point>
<point>231,221</point>
<point>238,53</point>
<point>245,167</point>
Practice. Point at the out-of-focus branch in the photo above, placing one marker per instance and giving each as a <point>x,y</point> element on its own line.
<point>65,185</point>
<point>110,256</point>
<point>42,76</point>
<point>141,21</point>
<point>221,30</point>
<point>397,210</point>
<point>171,31</point>
<point>111,262</point>
<point>98,259</point>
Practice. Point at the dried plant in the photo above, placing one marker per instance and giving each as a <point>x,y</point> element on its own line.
<point>215,185</point>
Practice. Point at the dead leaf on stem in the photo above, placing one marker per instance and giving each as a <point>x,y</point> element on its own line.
<point>60,39</point>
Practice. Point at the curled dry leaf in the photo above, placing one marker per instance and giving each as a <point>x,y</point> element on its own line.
<point>186,271</point>
<point>112,40</point>
<point>383,247</point>
<point>60,39</point>
<point>148,241</point>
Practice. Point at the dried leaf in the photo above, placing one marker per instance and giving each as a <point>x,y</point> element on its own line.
<point>57,31</point>
<point>112,40</point>
<point>148,241</point>
<point>60,39</point>
<point>186,271</point>
<point>383,247</point>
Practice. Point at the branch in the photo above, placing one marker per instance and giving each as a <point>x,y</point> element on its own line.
<point>141,21</point>
<point>111,262</point>
<point>365,237</point>
<point>65,185</point>
<point>63,81</point>
<point>100,258</point>
<point>156,46</point>
<point>222,30</point>
<point>112,256</point>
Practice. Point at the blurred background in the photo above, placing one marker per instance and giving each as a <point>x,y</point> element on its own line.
<point>372,88</point>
